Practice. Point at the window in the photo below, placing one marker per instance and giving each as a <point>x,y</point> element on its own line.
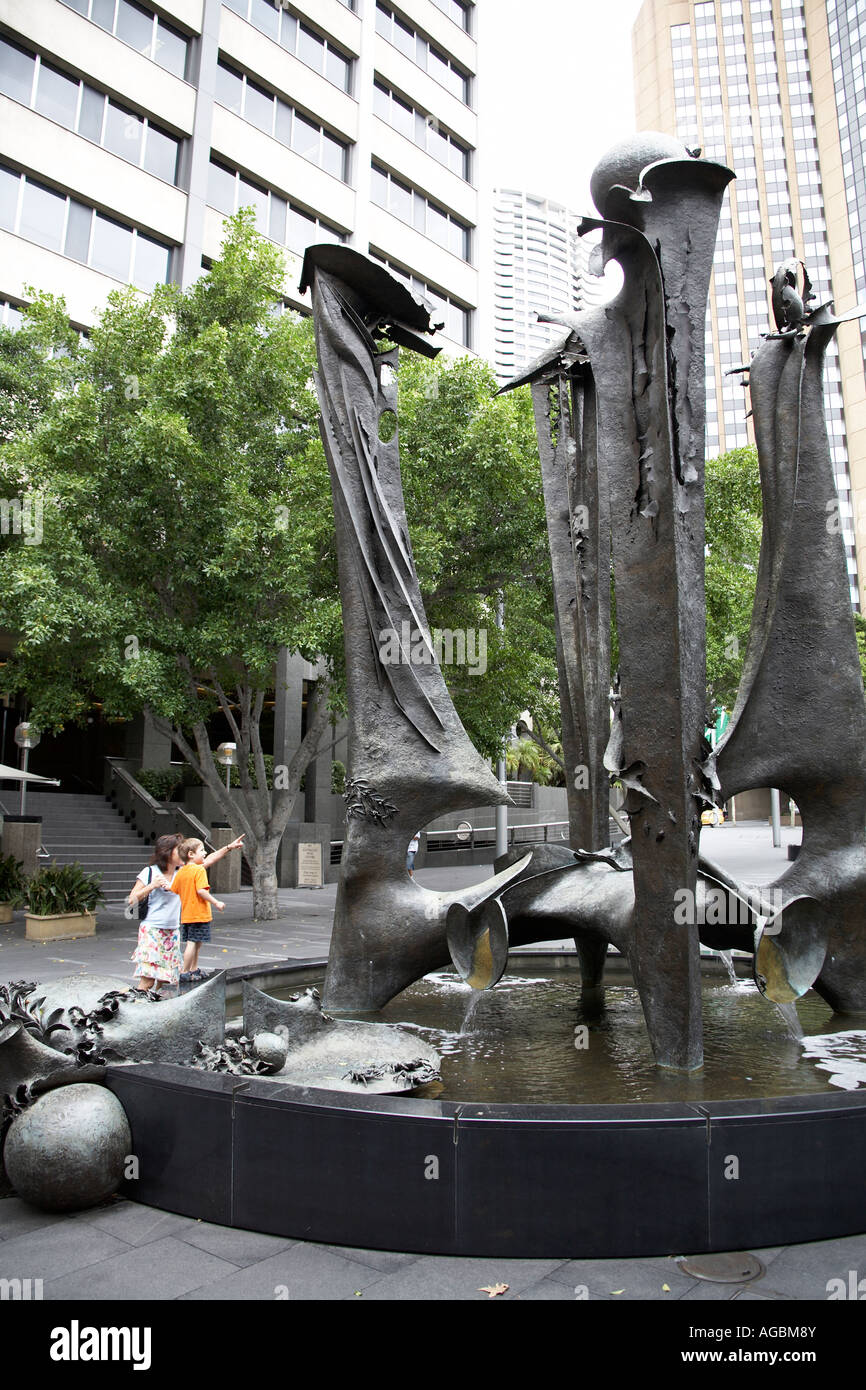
<point>89,112</point>
<point>275,117</point>
<point>456,319</point>
<point>298,38</point>
<point>276,217</point>
<point>423,130</point>
<point>410,206</point>
<point>455,10</point>
<point>62,224</point>
<point>144,31</point>
<point>426,55</point>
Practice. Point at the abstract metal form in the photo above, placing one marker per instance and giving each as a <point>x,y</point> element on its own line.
<point>67,1150</point>
<point>619,406</point>
<point>342,1056</point>
<point>409,756</point>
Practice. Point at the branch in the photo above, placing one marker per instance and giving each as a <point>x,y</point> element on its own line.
<point>539,739</point>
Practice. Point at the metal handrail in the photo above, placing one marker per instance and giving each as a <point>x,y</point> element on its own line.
<point>478,836</point>
<point>135,787</point>
<point>197,825</point>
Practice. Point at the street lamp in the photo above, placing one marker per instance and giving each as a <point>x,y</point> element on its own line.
<point>26,736</point>
<point>227,753</point>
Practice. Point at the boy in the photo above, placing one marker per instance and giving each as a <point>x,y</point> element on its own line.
<point>192,887</point>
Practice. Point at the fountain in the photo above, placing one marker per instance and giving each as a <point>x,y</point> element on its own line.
<point>619,407</point>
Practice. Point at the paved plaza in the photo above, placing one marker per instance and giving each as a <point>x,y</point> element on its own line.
<point>123,1250</point>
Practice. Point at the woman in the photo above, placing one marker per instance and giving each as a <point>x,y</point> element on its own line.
<point>157,956</point>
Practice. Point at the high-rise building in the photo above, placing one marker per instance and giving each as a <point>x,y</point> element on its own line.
<point>539,264</point>
<point>775,90</point>
<point>130,129</point>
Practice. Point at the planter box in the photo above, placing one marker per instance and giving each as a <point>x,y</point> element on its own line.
<point>59,925</point>
<point>6,912</point>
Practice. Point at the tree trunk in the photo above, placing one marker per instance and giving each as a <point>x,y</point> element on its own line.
<point>266,907</point>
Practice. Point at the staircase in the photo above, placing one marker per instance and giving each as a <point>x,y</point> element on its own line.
<point>85,829</point>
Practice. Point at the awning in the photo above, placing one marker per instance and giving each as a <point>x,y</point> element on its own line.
<point>14,774</point>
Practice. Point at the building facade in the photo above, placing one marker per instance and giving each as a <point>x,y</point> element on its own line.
<point>540,264</point>
<point>130,130</point>
<point>775,90</point>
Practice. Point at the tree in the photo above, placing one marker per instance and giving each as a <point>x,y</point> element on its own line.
<point>188,531</point>
<point>475,507</point>
<point>185,536</point>
<point>734,509</point>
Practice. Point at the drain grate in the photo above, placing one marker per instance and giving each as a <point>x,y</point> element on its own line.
<point>723,1269</point>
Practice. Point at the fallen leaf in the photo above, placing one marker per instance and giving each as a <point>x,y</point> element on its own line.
<point>616,1291</point>
<point>493,1290</point>
<point>666,1288</point>
<point>358,1293</point>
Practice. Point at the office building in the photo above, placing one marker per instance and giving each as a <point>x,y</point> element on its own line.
<point>129,131</point>
<point>539,264</point>
<point>775,90</point>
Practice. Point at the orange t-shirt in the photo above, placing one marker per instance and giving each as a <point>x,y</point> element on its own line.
<point>187,881</point>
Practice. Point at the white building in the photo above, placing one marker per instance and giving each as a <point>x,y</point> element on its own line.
<point>128,131</point>
<point>540,265</point>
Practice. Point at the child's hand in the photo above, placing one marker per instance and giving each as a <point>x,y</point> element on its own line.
<point>236,844</point>
<point>220,907</point>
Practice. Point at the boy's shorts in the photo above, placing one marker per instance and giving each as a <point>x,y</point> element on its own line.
<point>194,931</point>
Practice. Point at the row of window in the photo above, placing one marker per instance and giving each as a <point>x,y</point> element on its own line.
<point>63,224</point>
<point>425,131</point>
<point>299,39</point>
<point>404,202</point>
<point>420,51</point>
<point>457,321</point>
<point>143,30</point>
<point>29,79</point>
<point>458,10</point>
<point>277,118</point>
<point>276,217</point>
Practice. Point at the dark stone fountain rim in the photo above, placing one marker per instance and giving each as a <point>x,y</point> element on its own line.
<point>519,1180</point>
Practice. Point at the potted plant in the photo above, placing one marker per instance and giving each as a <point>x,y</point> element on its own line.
<point>61,899</point>
<point>13,886</point>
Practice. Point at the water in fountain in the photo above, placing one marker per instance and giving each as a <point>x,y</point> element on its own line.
<point>536,1040</point>
<point>727,958</point>
<point>791,1020</point>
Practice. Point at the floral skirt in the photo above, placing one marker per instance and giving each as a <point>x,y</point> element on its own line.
<point>157,956</point>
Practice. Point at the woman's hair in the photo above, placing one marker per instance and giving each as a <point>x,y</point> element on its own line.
<point>162,850</point>
<point>189,848</point>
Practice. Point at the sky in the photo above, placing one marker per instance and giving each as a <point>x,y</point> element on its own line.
<point>557,92</point>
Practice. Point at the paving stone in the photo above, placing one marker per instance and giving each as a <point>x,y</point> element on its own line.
<point>804,1271</point>
<point>137,1224</point>
<point>300,1273</point>
<point>161,1269</point>
<point>239,1247</point>
<point>55,1250</point>
<point>638,1278</point>
<point>384,1260</point>
<point>551,1291</point>
<point>16,1217</point>
<point>441,1277</point>
<point>704,1292</point>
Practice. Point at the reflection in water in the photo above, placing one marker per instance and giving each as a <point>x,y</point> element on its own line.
<point>516,1043</point>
